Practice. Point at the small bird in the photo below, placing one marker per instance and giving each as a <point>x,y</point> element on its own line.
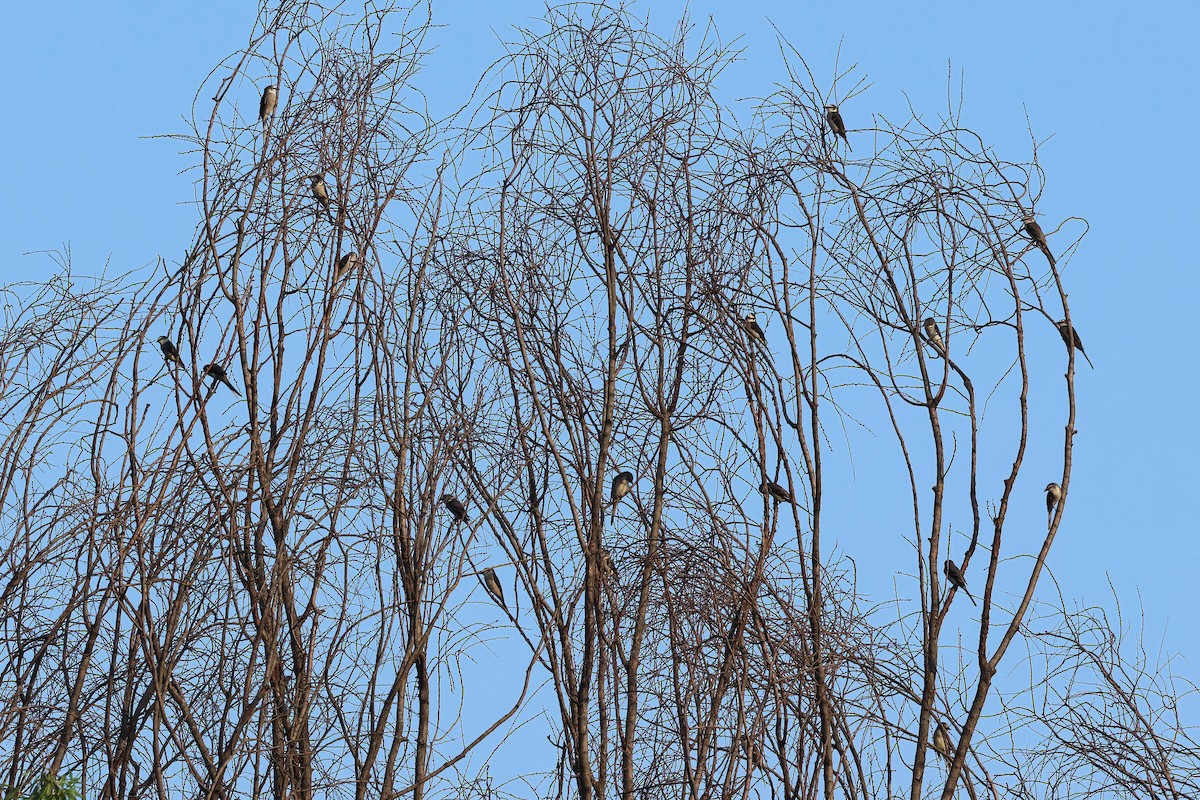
<point>621,486</point>
<point>607,564</point>
<point>318,189</point>
<point>955,576</point>
<point>492,584</point>
<point>1053,496</point>
<point>346,263</point>
<point>934,336</point>
<point>1035,232</point>
<point>266,106</point>
<point>836,123</point>
<point>1070,337</point>
<point>218,374</point>
<point>170,351</point>
<point>750,323</point>
<point>455,507</point>
<point>776,492</point>
<point>941,741</point>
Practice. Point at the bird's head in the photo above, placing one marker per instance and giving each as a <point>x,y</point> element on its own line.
<point>163,340</point>
<point>272,88</point>
<point>750,317</point>
<point>1061,325</point>
<point>831,107</point>
<point>1029,219</point>
<point>446,498</point>
<point>316,179</point>
<point>929,323</point>
<point>1052,487</point>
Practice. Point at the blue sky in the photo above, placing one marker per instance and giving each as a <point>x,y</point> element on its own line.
<point>1113,84</point>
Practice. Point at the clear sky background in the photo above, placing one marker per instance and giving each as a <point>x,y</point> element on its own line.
<point>1114,84</point>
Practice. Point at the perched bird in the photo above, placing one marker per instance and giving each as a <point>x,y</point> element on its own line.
<point>1053,496</point>
<point>753,329</point>
<point>455,507</point>
<point>346,263</point>
<point>621,486</point>
<point>955,576</point>
<point>218,374</point>
<point>836,123</point>
<point>492,584</point>
<point>318,189</point>
<point>1070,338</point>
<point>1034,231</point>
<point>934,336</point>
<point>169,350</point>
<point>941,741</point>
<point>776,492</point>
<point>607,564</point>
<point>266,106</point>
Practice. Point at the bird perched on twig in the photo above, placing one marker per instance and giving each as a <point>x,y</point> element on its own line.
<point>933,335</point>
<point>266,106</point>
<point>455,507</point>
<point>170,351</point>
<point>218,374</point>
<point>750,323</point>
<point>1035,232</point>
<point>776,492</point>
<point>621,486</point>
<point>1053,496</point>
<point>941,741</point>
<point>836,123</point>
<point>492,584</point>
<point>318,189</point>
<point>1070,337</point>
<point>607,565</point>
<point>955,576</point>
<point>346,263</point>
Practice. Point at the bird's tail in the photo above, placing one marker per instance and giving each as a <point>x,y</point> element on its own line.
<point>968,593</point>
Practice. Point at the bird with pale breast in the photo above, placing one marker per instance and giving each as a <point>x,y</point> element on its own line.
<point>491,582</point>
<point>621,486</point>
<point>933,335</point>
<point>1053,497</point>
<point>266,106</point>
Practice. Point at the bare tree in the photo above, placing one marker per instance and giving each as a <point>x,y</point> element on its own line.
<point>601,351</point>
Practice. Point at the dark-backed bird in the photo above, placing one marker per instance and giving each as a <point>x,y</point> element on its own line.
<point>346,263</point>
<point>941,741</point>
<point>455,507</point>
<point>621,486</point>
<point>170,351</point>
<point>1070,338</point>
<point>955,576</point>
<point>776,492</point>
<point>934,336</point>
<point>266,106</point>
<point>318,189</point>
<point>750,323</point>
<point>1035,232</point>
<point>492,584</point>
<point>836,123</point>
<point>1053,496</point>
<point>219,375</point>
